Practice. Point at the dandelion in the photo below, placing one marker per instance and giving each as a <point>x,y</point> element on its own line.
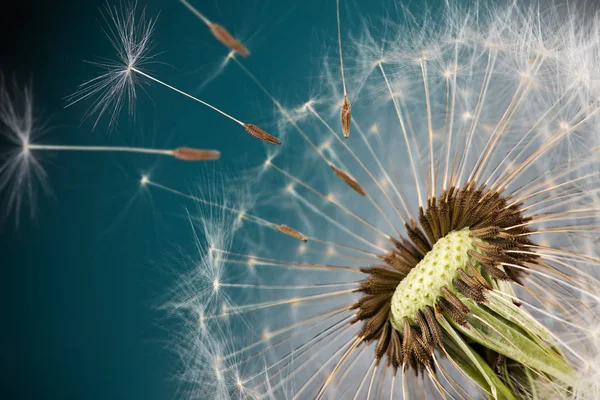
<point>131,36</point>
<point>449,252</point>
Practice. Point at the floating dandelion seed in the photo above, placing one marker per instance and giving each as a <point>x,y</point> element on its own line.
<point>346,111</point>
<point>130,35</point>
<point>21,172</point>
<point>463,278</point>
<point>219,32</point>
<point>242,214</point>
<point>182,153</point>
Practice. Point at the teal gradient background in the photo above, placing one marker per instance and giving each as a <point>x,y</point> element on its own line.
<point>84,278</point>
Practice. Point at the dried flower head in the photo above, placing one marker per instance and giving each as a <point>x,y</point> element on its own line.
<point>445,254</point>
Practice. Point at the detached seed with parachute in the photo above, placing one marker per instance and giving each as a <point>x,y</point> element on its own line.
<point>250,128</point>
<point>182,153</point>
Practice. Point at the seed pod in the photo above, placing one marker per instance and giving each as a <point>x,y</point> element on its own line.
<point>228,40</point>
<point>260,134</point>
<point>349,179</point>
<point>189,154</point>
<point>345,116</point>
<point>291,232</point>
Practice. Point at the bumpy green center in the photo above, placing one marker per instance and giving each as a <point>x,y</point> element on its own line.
<point>423,285</point>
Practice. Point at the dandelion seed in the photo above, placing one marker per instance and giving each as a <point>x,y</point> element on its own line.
<point>220,33</point>
<point>292,232</point>
<point>345,116</point>
<point>182,153</point>
<point>260,134</point>
<point>346,111</point>
<point>130,34</point>
<point>225,37</point>
<point>189,154</point>
<point>21,171</point>
<point>131,37</point>
<point>346,177</point>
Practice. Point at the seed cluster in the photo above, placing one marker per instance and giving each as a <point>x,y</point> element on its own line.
<point>487,226</point>
<point>422,286</point>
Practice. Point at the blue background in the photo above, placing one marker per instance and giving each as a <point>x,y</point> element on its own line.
<point>83,279</point>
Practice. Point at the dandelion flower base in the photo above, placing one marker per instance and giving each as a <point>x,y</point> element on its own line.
<point>423,285</point>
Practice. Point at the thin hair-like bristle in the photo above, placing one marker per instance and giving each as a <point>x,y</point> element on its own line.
<point>228,40</point>
<point>189,154</point>
<point>261,134</point>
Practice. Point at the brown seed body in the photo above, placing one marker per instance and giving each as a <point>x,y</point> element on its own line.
<point>262,135</point>
<point>228,40</point>
<point>189,154</point>
<point>291,232</point>
<point>346,116</point>
<point>349,179</point>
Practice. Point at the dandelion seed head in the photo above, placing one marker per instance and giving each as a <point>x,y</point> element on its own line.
<point>130,34</point>
<point>21,173</point>
<point>479,121</point>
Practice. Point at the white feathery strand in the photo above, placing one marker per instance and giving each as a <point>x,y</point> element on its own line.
<point>271,262</point>
<point>504,121</point>
<point>337,367</point>
<point>501,183</point>
<point>97,148</point>
<point>186,94</point>
<point>261,306</point>
<point>364,379</point>
<point>386,175</point>
<point>358,160</point>
<point>331,200</point>
<point>406,138</point>
<point>491,61</point>
<point>282,110</point>
<point>543,118</point>
<point>196,12</point>
<point>242,214</point>
<point>432,182</point>
<point>322,318</point>
<point>339,31</point>
<point>451,123</point>
<point>334,222</point>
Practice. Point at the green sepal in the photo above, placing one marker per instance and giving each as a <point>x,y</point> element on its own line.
<point>474,366</point>
<point>509,339</point>
<point>520,317</point>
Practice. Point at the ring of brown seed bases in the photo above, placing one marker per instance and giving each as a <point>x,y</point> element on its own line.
<point>484,216</point>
